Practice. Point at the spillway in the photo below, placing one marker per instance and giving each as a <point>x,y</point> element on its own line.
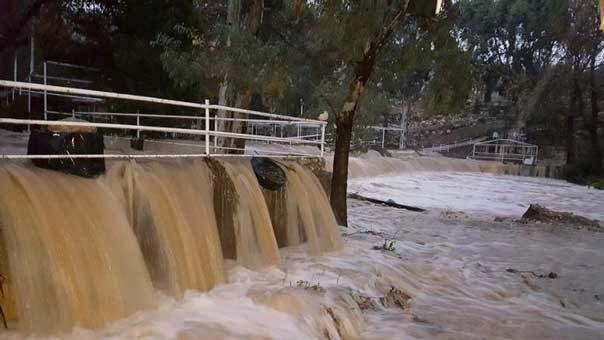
<point>81,252</point>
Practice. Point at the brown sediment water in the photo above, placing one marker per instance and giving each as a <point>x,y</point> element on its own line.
<point>255,240</point>
<point>171,210</point>
<point>73,260</point>
<point>82,252</point>
<point>308,213</point>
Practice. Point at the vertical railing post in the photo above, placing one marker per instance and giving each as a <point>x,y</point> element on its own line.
<point>15,66</point>
<point>323,138</point>
<point>138,124</point>
<point>383,137</point>
<point>45,96</point>
<point>29,96</point>
<point>207,102</point>
<point>73,113</point>
<point>215,136</point>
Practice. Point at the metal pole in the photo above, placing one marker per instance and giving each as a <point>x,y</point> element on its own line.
<point>474,152</point>
<point>15,66</point>
<point>207,126</point>
<point>323,139</point>
<point>29,97</point>
<point>383,137</point>
<point>73,113</point>
<point>216,137</point>
<point>31,65</point>
<point>45,96</point>
<point>138,124</point>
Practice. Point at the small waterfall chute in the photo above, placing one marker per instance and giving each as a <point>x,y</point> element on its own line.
<point>72,258</point>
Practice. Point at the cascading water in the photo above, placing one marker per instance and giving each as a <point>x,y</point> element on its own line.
<point>171,209</point>
<point>254,237</point>
<point>73,260</point>
<point>84,252</point>
<point>308,213</point>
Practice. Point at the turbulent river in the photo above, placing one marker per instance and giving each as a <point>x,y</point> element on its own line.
<point>453,261</point>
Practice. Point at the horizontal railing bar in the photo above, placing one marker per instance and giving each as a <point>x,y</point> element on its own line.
<point>154,128</point>
<point>265,152</point>
<point>88,99</point>
<point>102,94</point>
<point>133,156</point>
<point>258,113</point>
<point>125,114</point>
<point>69,80</point>
<point>72,65</point>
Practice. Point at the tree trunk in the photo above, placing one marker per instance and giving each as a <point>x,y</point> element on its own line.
<point>339,179</point>
<point>593,126</point>
<point>345,118</point>
<point>570,123</point>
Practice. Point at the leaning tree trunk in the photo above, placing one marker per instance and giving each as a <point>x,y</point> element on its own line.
<point>345,118</point>
<point>593,126</point>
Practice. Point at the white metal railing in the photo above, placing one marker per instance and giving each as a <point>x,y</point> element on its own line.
<point>506,150</point>
<point>454,145</point>
<point>317,139</point>
<point>380,138</point>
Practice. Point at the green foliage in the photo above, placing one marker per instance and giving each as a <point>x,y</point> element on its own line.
<point>597,183</point>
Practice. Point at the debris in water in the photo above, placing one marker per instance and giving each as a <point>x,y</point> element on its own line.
<point>551,275</point>
<point>314,287</point>
<point>395,298</point>
<point>389,202</point>
<point>387,246</point>
<point>537,213</point>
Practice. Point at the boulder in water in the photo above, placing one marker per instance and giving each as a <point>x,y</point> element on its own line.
<point>68,141</point>
<point>537,213</point>
<point>269,174</point>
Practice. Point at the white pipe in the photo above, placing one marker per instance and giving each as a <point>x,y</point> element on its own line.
<point>119,114</point>
<point>88,99</point>
<point>264,114</point>
<point>138,123</point>
<point>72,65</point>
<point>103,94</point>
<point>69,80</point>
<point>45,96</point>
<point>207,126</point>
<point>153,128</point>
<point>322,140</point>
<point>15,67</point>
<point>119,156</point>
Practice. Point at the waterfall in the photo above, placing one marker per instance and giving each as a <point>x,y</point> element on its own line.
<point>72,258</point>
<point>309,217</point>
<point>79,252</point>
<point>255,241</point>
<point>171,210</point>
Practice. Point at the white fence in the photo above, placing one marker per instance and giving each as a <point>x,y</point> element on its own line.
<point>210,136</point>
<point>448,147</point>
<point>506,150</point>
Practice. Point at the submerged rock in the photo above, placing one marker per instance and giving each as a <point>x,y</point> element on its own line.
<point>537,213</point>
<point>269,174</point>
<point>68,140</point>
